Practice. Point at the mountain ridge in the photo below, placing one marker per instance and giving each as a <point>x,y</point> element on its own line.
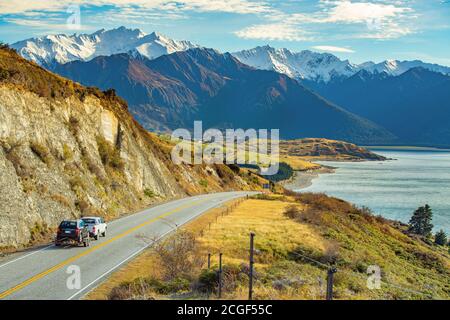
<point>62,48</point>
<point>302,65</point>
<point>323,67</point>
<point>202,84</point>
<point>416,102</point>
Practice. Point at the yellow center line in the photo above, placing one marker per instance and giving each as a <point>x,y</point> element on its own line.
<point>84,253</point>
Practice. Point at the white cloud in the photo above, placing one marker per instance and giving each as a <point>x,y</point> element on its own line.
<point>372,20</point>
<point>273,31</point>
<point>356,12</point>
<point>333,49</point>
<point>232,6</point>
<point>47,24</point>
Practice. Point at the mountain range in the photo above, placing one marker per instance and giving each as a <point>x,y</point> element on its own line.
<point>305,64</point>
<point>169,84</point>
<point>323,67</point>
<point>61,48</point>
<point>202,84</point>
<point>415,106</point>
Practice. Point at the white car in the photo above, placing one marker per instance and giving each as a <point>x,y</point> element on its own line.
<point>96,226</point>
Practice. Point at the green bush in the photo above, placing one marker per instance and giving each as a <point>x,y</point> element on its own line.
<point>285,172</point>
<point>207,281</point>
<point>41,152</point>
<point>67,153</point>
<point>149,193</point>
<point>440,238</point>
<point>109,154</point>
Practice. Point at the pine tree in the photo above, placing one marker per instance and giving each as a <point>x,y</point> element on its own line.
<point>440,238</point>
<point>420,222</point>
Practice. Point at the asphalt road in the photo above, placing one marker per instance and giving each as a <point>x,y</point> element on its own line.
<point>49,272</point>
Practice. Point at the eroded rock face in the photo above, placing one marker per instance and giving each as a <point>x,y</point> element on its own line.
<point>51,167</point>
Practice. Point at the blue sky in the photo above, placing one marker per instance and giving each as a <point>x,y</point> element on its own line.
<point>358,30</point>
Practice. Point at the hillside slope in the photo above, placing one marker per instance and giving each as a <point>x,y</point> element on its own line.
<point>298,237</point>
<point>201,84</point>
<point>68,150</point>
<point>324,149</point>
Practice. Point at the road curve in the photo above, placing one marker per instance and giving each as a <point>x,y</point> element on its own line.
<point>47,273</point>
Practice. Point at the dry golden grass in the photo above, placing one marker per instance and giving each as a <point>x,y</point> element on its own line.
<point>146,264</point>
<point>272,228</point>
<point>226,229</point>
<point>299,163</point>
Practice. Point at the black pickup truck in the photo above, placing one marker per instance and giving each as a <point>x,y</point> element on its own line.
<point>72,232</point>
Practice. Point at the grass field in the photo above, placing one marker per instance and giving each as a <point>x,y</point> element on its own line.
<point>289,228</point>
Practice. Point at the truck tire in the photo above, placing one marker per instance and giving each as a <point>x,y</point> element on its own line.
<point>104,233</point>
<point>96,236</point>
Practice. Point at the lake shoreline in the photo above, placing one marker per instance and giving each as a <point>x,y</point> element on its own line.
<point>304,179</point>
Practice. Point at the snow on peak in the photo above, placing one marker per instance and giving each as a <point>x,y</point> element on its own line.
<point>396,67</point>
<point>64,48</point>
<point>301,65</point>
<point>323,67</point>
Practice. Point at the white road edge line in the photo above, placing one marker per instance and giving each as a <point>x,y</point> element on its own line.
<point>142,249</point>
<point>26,255</point>
<point>109,223</point>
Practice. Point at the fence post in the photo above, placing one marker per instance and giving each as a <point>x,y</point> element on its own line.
<point>220,275</point>
<point>330,275</point>
<point>209,261</point>
<point>250,284</point>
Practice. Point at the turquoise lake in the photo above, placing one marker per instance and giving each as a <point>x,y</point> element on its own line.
<point>394,188</point>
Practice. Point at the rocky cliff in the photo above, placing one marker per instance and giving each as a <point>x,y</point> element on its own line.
<point>67,150</point>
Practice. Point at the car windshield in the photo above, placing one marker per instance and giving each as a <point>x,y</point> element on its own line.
<point>89,221</point>
<point>68,224</point>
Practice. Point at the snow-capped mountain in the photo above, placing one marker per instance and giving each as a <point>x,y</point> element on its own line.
<point>305,65</point>
<point>301,65</point>
<point>322,67</point>
<point>63,48</point>
<point>396,67</point>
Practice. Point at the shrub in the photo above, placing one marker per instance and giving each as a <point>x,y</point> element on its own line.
<point>76,183</point>
<point>179,256</point>
<point>141,288</point>
<point>74,125</point>
<point>82,205</point>
<point>38,232</point>
<point>203,183</point>
<point>292,212</point>
<point>41,152</point>
<point>61,199</point>
<point>207,281</point>
<point>67,153</point>
<point>4,74</point>
<point>309,214</point>
<point>149,193</point>
<point>109,154</point>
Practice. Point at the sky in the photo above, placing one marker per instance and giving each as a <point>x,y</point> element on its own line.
<point>358,30</point>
